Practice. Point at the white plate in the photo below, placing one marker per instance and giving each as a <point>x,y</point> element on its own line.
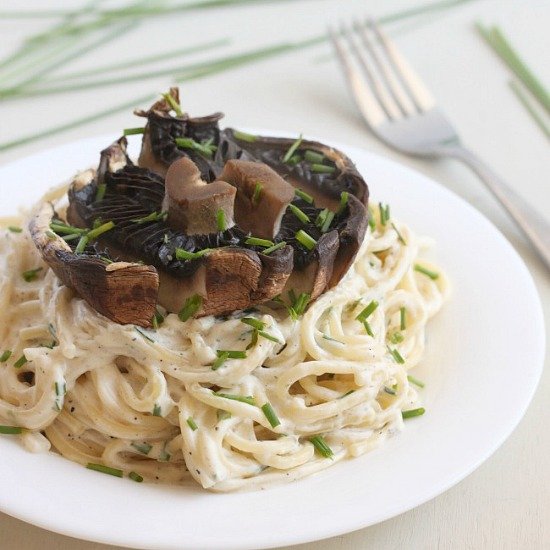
<point>483,361</point>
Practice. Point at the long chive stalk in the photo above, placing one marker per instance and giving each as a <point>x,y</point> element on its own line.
<point>526,102</point>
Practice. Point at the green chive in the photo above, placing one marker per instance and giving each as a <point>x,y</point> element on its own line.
<point>232,354</point>
<point>14,229</point>
<point>192,306</point>
<point>243,136</point>
<point>152,217</point>
<point>95,233</point>
<point>303,195</point>
<point>527,103</point>
<point>157,411</point>
<point>396,338</point>
<point>294,160</point>
<point>366,312</point>
<point>322,169</point>
<point>321,446</point>
<point>314,157</point>
<point>396,355</point>
<point>255,241</point>
<point>61,228</point>
<point>60,389</point>
<point>72,237</point>
<point>253,339</point>
<point>415,381</point>
<point>413,412</point>
<point>372,221</point>
<point>267,409</point>
<point>143,448</point>
<point>173,103</point>
<point>222,415</point>
<point>391,391</point>
<point>368,328</point>
<point>305,239</point>
<point>248,399</point>
<point>299,305</point>
<point>299,214</point>
<point>222,358</point>
<point>5,356</point>
<point>10,430</point>
<point>182,254</point>
<point>402,318</point>
<point>384,213</point>
<point>82,244</point>
<point>205,148</point>
<point>328,220</point>
<point>268,336</point>
<point>344,198</point>
<point>192,424</point>
<point>292,149</point>
<point>31,274</point>
<point>330,339</point>
<point>273,248</point>
<point>134,476</point>
<point>133,131</point>
<point>20,362</point>
<point>144,335</point>
<point>220,220</point>
<point>51,235</point>
<point>158,319</point>
<point>425,271</point>
<point>255,323</point>
<point>257,193</point>
<point>104,469</point>
<point>399,236</point>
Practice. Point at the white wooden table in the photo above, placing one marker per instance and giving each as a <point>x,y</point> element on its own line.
<point>506,502</point>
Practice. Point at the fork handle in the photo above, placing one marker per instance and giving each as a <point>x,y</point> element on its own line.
<point>531,222</point>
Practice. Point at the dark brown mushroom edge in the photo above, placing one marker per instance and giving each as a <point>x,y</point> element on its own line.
<point>227,220</point>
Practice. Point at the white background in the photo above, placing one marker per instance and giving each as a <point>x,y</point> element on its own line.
<point>506,502</point>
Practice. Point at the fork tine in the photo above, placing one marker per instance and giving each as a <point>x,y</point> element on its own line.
<point>412,83</point>
<point>366,102</point>
<point>377,86</point>
<point>395,89</point>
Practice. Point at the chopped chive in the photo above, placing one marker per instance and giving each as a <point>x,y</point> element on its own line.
<point>205,148</point>
<point>144,335</point>
<point>299,305</point>
<point>133,131</point>
<point>344,198</point>
<point>292,149</point>
<point>327,221</point>
<point>415,381</point>
<point>267,409</point>
<point>31,274</point>
<point>399,236</point>
<point>5,356</point>
<point>372,221</point>
<point>157,410</point>
<point>134,476</point>
<point>366,312</point>
<point>527,103</point>
<point>222,358</point>
<point>396,355</point>
<point>294,160</point>
<point>257,192</point>
<point>248,399</point>
<point>384,213</point>
<point>396,338</point>
<point>255,323</point>
<point>402,318</point>
<point>305,239</point>
<point>413,412</point>
<point>314,157</point>
<point>322,169</point>
<point>82,244</point>
<point>192,424</point>
<point>143,448</point>
<point>14,229</point>
<point>62,228</point>
<point>321,446</point>
<point>299,213</point>
<point>255,241</point>
<point>391,391</point>
<point>10,430</point>
<point>104,469</point>
<point>425,271</point>
<point>243,136</point>
<point>95,233</point>
<point>268,336</point>
<point>232,354</point>
<point>72,237</point>
<point>152,217</point>
<point>100,193</point>
<point>182,254</point>
<point>253,339</point>
<point>330,339</point>
<point>60,389</point>
<point>222,415</point>
<point>320,219</point>
<point>368,328</point>
<point>173,103</point>
<point>158,319</point>
<point>51,235</point>
<point>20,362</point>
<point>192,305</point>
<point>303,195</point>
<point>273,248</point>
<point>220,220</point>
<point>164,456</point>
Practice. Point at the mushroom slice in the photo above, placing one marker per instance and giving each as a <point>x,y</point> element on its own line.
<point>124,292</point>
<point>194,206</point>
<point>262,196</point>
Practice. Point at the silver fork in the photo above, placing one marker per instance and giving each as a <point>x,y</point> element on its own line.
<point>401,111</point>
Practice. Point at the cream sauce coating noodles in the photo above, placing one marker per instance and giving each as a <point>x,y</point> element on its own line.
<point>149,401</point>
